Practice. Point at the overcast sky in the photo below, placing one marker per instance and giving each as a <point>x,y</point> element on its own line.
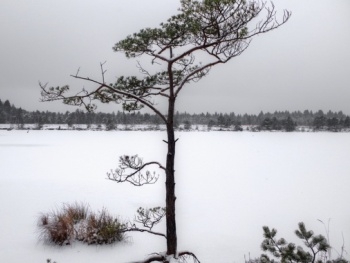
<point>303,65</point>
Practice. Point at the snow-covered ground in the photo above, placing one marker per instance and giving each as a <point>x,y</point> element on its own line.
<point>228,186</point>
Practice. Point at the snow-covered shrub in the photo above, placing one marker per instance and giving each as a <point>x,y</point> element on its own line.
<point>75,222</point>
<point>101,228</point>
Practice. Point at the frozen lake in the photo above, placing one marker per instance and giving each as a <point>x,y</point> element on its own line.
<point>228,186</point>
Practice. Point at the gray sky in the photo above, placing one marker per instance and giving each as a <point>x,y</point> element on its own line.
<point>303,65</point>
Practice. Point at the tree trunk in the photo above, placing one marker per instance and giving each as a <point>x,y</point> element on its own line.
<point>170,184</point>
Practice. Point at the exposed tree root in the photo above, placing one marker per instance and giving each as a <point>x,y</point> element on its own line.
<point>185,254</point>
<point>182,257</point>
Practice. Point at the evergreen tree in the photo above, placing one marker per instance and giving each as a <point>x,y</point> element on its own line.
<point>110,124</point>
<point>7,107</point>
<point>276,125</point>
<point>320,122</point>
<point>289,125</point>
<point>211,123</point>
<point>238,126</point>
<point>266,124</point>
<point>187,125</point>
<point>333,124</point>
<point>220,29</point>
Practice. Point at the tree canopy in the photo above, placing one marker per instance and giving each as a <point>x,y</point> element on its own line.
<point>181,50</point>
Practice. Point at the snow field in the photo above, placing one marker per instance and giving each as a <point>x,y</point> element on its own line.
<point>228,186</point>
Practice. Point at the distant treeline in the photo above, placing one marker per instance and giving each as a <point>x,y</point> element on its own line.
<point>267,121</point>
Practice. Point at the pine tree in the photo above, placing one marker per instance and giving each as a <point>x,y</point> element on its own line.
<point>220,29</point>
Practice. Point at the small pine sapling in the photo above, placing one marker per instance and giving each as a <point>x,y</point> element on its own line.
<point>289,252</point>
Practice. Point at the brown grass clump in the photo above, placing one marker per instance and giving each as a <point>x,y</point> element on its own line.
<point>76,211</point>
<point>75,222</point>
<point>57,228</point>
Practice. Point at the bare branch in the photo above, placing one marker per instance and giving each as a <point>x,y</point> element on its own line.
<point>135,229</point>
<point>150,217</point>
<point>105,93</point>
<point>57,93</point>
<point>193,73</point>
<point>116,91</point>
<point>76,74</point>
<point>102,72</point>
<point>129,170</point>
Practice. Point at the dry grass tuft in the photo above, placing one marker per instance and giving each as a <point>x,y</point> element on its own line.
<point>76,211</point>
<point>75,222</point>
